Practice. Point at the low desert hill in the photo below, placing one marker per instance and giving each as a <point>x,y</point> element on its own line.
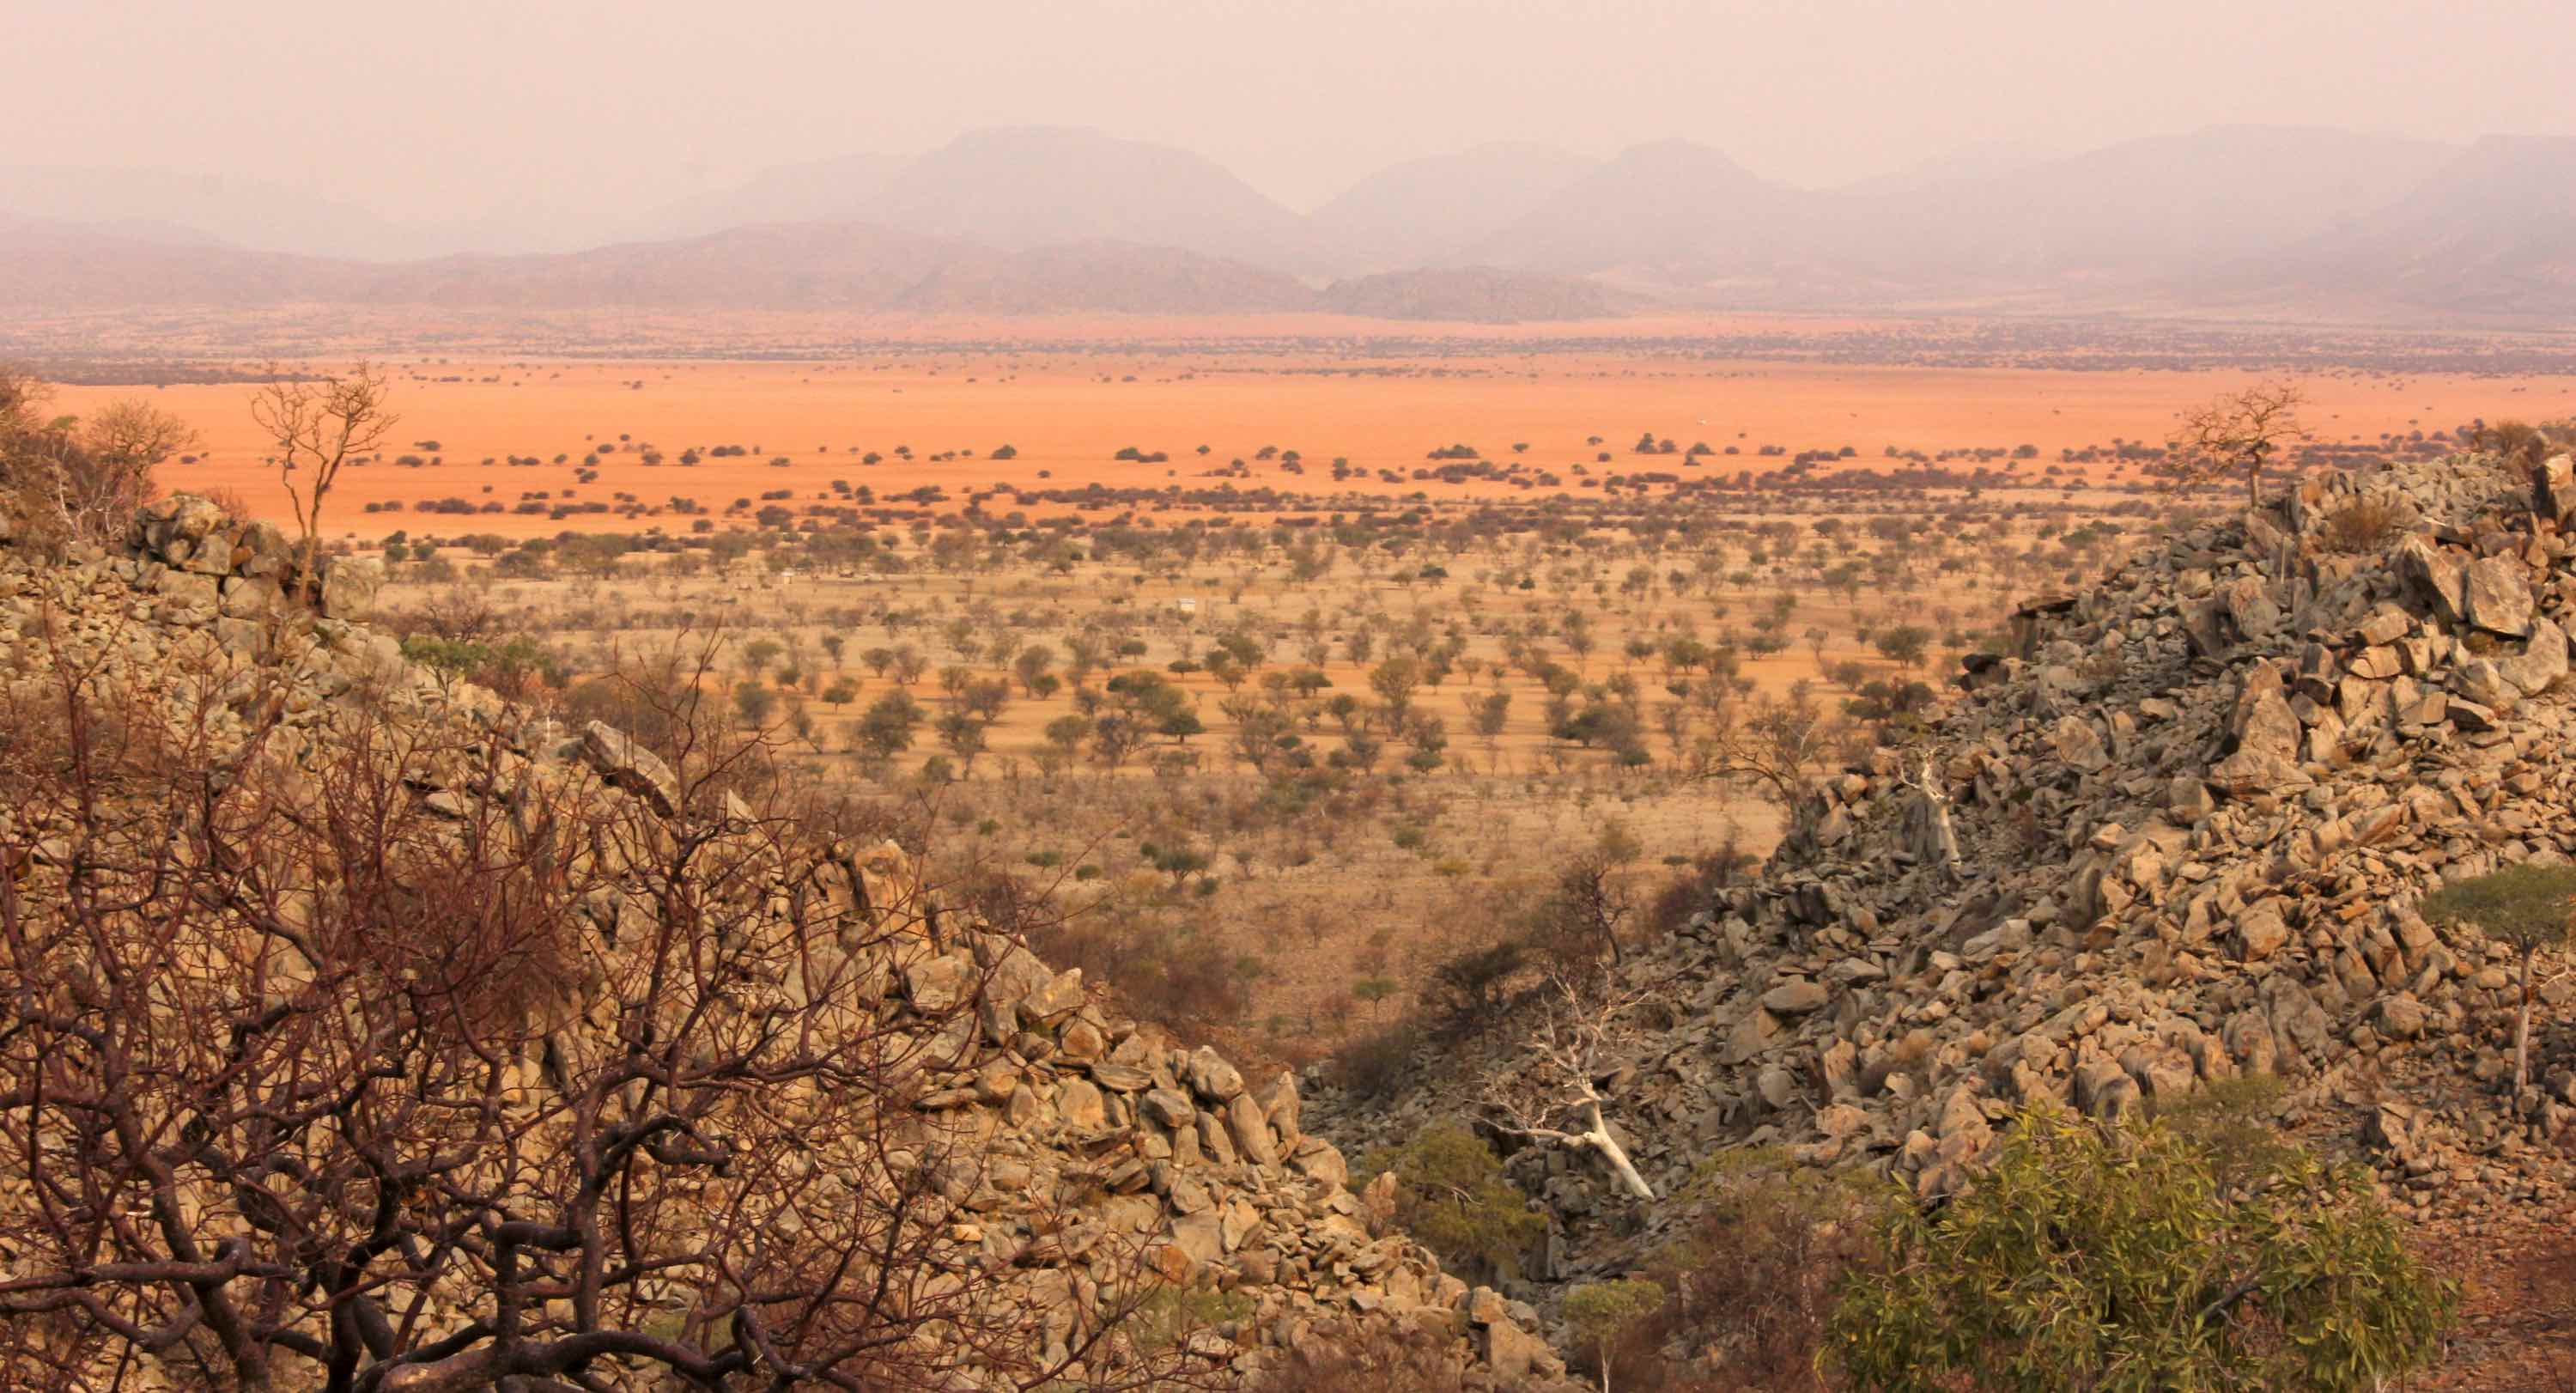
<point>1475,294</point>
<point>837,190</point>
<point>1681,211</point>
<point>846,267</point>
<point>2271,221</point>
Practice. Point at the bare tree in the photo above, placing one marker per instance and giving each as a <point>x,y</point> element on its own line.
<point>1777,743</point>
<point>2238,432</point>
<point>1557,1078</point>
<point>318,424</point>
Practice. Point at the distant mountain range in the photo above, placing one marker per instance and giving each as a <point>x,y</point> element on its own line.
<point>1042,220</point>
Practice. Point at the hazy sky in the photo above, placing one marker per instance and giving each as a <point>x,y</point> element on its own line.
<point>461,108</point>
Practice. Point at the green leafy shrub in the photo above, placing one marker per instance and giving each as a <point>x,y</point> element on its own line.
<point>1451,1194</point>
<point>2118,1259</point>
<point>514,667</point>
<point>1171,1314</point>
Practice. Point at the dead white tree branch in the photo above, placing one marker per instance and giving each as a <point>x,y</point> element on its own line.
<point>1560,1081</point>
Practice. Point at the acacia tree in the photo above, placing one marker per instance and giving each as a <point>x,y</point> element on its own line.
<point>318,424</point>
<point>1776,743</point>
<point>306,1081</point>
<point>2529,907</point>
<point>2239,432</point>
<point>84,478</point>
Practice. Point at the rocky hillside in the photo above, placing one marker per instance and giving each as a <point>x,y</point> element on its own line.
<point>1077,1152</point>
<point>2177,834</point>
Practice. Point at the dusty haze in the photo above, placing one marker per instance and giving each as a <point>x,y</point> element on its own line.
<point>497,126</point>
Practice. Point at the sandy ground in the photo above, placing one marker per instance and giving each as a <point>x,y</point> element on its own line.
<point>1068,414</point>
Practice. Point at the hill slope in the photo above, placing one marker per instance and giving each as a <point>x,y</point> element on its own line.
<point>846,267</point>
<point>2492,231</point>
<point>842,189</point>
<point>1426,212</point>
<point>1680,210</point>
<point>2189,817</point>
<point>2169,204</point>
<point>1031,186</point>
<point>581,1020</point>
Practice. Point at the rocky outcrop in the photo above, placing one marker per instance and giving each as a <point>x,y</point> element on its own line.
<point>1174,1153</point>
<point>249,569</point>
<point>2195,810</point>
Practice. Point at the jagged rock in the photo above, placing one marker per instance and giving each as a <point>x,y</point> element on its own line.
<point>1060,997</point>
<point>1081,1106</point>
<point>2554,490</point>
<point>2498,596</point>
<point>2251,609</point>
<point>2080,745</point>
<point>1794,998</point>
<point>626,765</point>
<point>2542,661</point>
<point>1841,1121</point>
<point>1169,1108</point>
<point>1250,1131</point>
<point>2399,1017</point>
<point>2439,578</point>
<point>2267,737</point>
<point>935,985</point>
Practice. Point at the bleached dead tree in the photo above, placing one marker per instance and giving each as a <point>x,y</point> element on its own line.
<point>1560,1080</point>
<point>1928,833</point>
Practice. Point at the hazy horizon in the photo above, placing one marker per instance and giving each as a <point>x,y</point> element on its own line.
<point>530,127</point>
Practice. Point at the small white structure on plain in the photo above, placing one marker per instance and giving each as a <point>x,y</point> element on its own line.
<point>1187,604</point>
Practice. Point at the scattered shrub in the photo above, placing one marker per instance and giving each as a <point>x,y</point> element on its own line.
<point>2366,525</point>
<point>2116,1257</point>
<point>1451,1194</point>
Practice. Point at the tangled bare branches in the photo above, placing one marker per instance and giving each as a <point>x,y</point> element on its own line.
<point>318,1071</point>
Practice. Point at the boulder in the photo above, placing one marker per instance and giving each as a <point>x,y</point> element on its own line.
<point>2437,576</point>
<point>2267,740</point>
<point>2543,660</point>
<point>2498,591</point>
<point>626,765</point>
<point>2553,490</point>
<point>1795,997</point>
<point>2080,745</point>
<point>1214,1080</point>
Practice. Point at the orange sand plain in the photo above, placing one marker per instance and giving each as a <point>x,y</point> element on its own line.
<point>1069,413</point>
